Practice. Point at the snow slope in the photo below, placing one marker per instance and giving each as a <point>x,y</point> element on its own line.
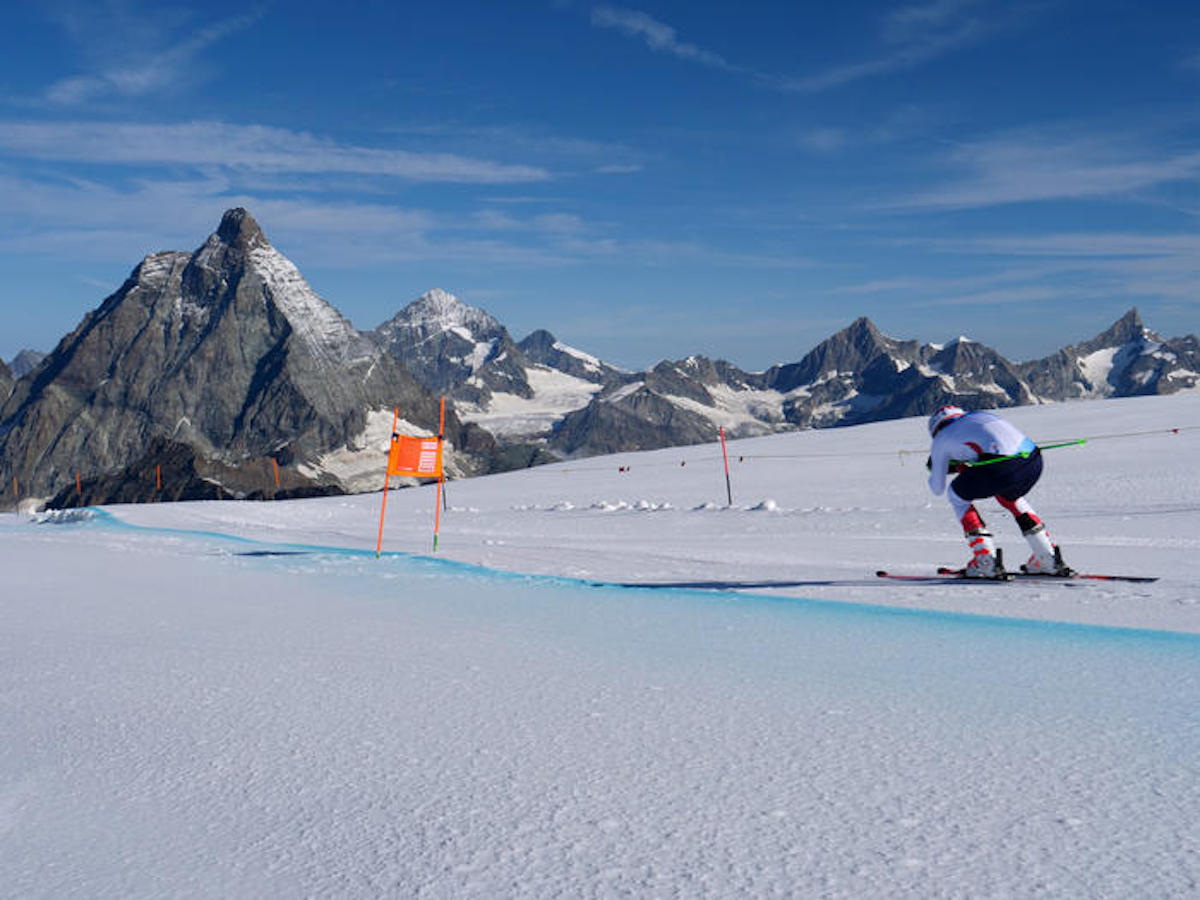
<point>809,507</point>
<point>186,714</point>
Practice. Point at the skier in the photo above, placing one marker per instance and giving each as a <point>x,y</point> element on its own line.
<point>992,458</point>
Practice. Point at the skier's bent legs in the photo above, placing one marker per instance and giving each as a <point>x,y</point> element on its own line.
<point>1008,482</point>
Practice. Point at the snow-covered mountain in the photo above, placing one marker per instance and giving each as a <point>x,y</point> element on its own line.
<point>1127,360</point>
<point>210,364</point>
<point>860,375</point>
<point>515,390</point>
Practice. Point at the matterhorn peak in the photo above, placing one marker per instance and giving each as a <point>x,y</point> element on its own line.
<point>238,228</point>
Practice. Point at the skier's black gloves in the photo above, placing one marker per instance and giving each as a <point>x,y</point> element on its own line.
<point>929,463</point>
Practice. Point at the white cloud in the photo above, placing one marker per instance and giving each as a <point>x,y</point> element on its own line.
<point>658,36</point>
<point>1027,168</point>
<point>1082,244</point>
<point>1059,268</point>
<point>84,220</point>
<point>249,147</point>
<point>913,35</point>
<point>141,74</point>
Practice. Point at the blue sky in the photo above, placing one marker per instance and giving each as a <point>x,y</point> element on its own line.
<point>647,181</point>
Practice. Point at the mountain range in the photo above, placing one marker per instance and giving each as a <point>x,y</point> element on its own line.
<point>221,373</point>
<point>575,405</point>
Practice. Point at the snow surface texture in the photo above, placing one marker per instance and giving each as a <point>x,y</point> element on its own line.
<point>194,715</point>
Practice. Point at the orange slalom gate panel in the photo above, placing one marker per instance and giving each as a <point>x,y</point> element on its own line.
<point>415,457</point>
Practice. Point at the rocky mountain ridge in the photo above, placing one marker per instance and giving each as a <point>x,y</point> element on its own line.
<point>861,375</point>
<point>575,405</point>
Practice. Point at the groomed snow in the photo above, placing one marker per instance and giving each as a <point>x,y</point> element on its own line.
<point>844,502</point>
<point>188,714</point>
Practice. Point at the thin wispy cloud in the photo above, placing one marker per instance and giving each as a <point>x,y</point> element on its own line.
<point>1061,267</point>
<point>1081,245</point>
<point>1026,168</point>
<point>137,75</point>
<point>537,144</point>
<point>247,147</point>
<point>911,36</point>
<point>658,36</point>
<point>95,220</point>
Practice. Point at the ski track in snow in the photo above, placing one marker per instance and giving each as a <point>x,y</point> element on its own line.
<point>244,713</point>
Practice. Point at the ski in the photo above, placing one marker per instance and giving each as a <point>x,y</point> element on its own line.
<point>947,576</point>
<point>1134,579</point>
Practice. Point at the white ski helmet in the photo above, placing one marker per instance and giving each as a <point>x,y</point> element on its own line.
<point>944,415</point>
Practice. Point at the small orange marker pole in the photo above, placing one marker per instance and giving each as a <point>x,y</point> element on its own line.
<point>16,493</point>
<point>387,477</point>
<point>158,477</point>
<point>78,484</point>
<point>437,509</point>
<point>275,463</point>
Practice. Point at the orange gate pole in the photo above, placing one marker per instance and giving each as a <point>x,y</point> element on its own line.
<point>386,478</point>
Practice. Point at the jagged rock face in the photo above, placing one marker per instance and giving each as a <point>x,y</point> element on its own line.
<point>226,350</point>
<point>849,351</point>
<point>639,420</point>
<point>455,349</point>
<point>543,349</point>
<point>860,375</point>
<point>519,390</point>
<point>1126,360</point>
<point>7,381</point>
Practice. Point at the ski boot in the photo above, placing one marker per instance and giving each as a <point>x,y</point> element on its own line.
<point>988,561</point>
<point>1047,557</point>
<point>1052,563</point>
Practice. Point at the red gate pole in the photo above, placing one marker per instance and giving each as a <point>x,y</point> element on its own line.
<point>725,455</point>
<point>437,509</point>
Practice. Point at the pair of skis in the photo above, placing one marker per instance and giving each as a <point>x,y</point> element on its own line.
<point>945,574</point>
